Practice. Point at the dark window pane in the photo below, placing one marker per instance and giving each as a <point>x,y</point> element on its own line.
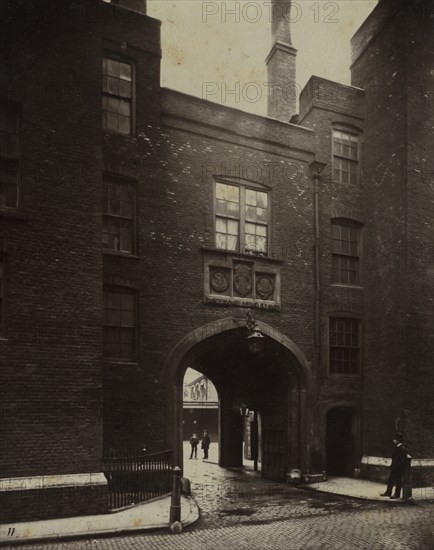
<point>124,108</point>
<point>128,302</point>
<point>114,207</point>
<point>113,317</point>
<point>124,88</point>
<point>112,85</point>
<point>112,121</point>
<point>353,178</point>
<point>343,346</point>
<point>113,67</point>
<point>113,300</point>
<point>127,319</point>
<point>104,85</point>
<point>126,192</point>
<point>126,240</point>
<point>114,190</point>
<point>124,125</point>
<point>119,320</point>
<point>118,231</point>
<point>127,209</point>
<point>125,71</point>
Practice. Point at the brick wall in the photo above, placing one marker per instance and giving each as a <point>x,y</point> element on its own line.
<point>398,364</point>
<point>325,105</point>
<point>51,366</point>
<point>418,422</point>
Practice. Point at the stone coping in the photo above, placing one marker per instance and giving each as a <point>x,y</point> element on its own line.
<point>51,481</point>
<point>383,461</point>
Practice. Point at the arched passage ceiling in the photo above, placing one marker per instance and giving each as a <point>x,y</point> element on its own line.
<point>225,359</point>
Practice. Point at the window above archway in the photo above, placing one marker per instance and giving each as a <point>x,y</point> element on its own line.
<point>241,218</point>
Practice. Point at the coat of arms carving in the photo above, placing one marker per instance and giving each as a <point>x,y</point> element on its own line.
<point>219,281</point>
<point>243,280</point>
<point>264,286</point>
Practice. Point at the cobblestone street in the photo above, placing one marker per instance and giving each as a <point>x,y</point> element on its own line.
<point>240,510</point>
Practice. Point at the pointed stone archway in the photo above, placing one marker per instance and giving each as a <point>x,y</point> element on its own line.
<point>218,349</point>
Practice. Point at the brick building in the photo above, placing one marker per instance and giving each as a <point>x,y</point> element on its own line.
<point>138,225</point>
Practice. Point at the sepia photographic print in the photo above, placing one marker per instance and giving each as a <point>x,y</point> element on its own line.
<point>217,274</point>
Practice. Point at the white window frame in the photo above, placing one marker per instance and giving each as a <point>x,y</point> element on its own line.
<point>241,242</point>
<point>342,317</point>
<point>353,135</point>
<point>108,56</point>
<point>347,222</point>
<point>106,215</point>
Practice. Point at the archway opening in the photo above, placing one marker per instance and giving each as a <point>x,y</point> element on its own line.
<point>341,441</point>
<point>268,385</point>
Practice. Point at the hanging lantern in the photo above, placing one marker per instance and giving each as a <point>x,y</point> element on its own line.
<point>255,338</point>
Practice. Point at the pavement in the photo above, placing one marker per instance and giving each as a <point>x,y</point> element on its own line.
<point>226,498</point>
<point>150,515</point>
<point>364,489</point>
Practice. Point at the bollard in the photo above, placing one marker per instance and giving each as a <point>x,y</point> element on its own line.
<point>185,486</point>
<point>175,505</point>
<point>407,492</point>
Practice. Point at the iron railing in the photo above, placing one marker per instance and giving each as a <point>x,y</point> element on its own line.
<point>136,479</point>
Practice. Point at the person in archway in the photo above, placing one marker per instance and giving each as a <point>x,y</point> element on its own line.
<point>194,442</point>
<point>206,442</point>
<point>397,468</point>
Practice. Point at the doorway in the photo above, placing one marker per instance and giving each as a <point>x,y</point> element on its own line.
<point>340,441</point>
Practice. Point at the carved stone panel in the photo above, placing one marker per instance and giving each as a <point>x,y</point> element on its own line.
<point>243,280</point>
<point>265,286</point>
<point>219,280</point>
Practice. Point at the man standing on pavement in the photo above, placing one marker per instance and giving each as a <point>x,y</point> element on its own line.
<point>206,442</point>
<point>397,468</point>
<point>194,442</point>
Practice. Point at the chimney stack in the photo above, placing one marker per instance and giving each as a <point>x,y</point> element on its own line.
<point>281,61</point>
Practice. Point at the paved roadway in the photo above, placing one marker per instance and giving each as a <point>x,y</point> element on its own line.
<point>241,511</point>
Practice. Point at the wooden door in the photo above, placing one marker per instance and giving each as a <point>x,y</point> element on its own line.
<point>274,440</point>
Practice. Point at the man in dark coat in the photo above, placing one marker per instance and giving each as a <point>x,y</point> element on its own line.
<point>397,468</point>
<point>206,442</point>
<point>194,442</point>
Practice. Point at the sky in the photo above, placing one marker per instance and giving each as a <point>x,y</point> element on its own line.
<point>190,375</point>
<point>216,50</point>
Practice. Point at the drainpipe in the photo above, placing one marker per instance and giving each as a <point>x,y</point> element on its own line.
<point>316,170</point>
